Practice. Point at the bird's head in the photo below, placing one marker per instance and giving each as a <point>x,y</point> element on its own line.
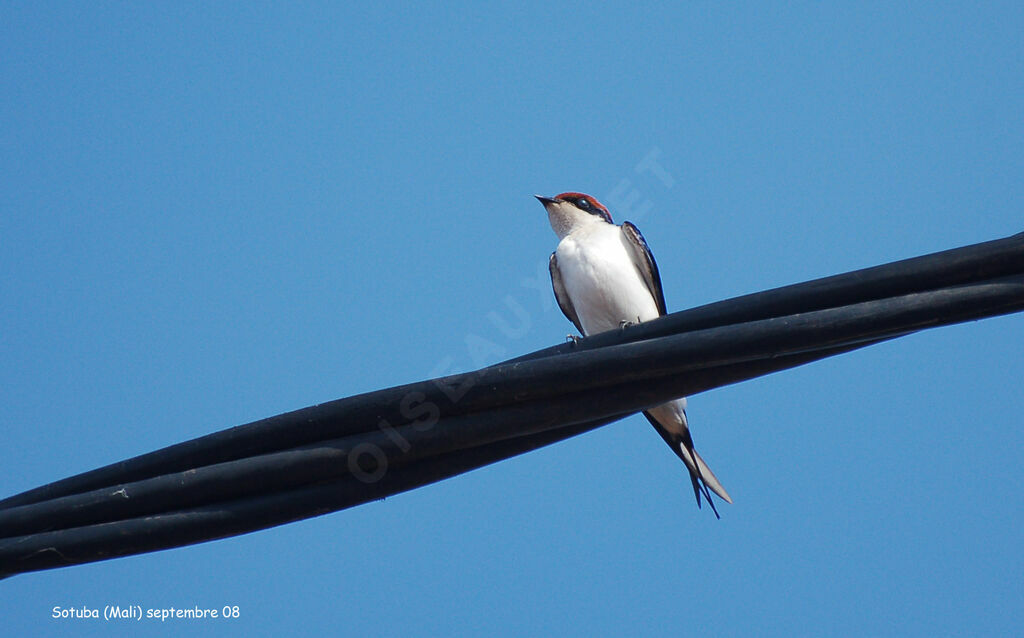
<point>569,210</point>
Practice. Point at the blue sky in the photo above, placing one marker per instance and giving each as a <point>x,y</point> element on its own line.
<point>214,213</point>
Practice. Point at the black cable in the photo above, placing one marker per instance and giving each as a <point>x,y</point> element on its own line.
<point>363,412</point>
<point>299,464</point>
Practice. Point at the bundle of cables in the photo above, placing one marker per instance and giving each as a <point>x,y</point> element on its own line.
<point>346,452</point>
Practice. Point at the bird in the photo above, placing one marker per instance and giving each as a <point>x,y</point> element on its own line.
<point>605,278</point>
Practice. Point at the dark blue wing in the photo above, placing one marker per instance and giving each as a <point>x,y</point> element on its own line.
<point>644,262</point>
<point>561,296</point>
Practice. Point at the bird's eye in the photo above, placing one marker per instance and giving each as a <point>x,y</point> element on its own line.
<point>583,203</point>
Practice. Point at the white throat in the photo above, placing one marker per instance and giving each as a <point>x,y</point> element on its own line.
<point>565,218</point>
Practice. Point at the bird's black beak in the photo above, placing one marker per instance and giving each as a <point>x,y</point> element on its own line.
<point>545,200</point>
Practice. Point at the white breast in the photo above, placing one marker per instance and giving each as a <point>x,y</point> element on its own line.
<point>601,279</point>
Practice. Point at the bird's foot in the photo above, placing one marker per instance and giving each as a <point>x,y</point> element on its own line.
<point>625,324</point>
<point>573,339</point>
